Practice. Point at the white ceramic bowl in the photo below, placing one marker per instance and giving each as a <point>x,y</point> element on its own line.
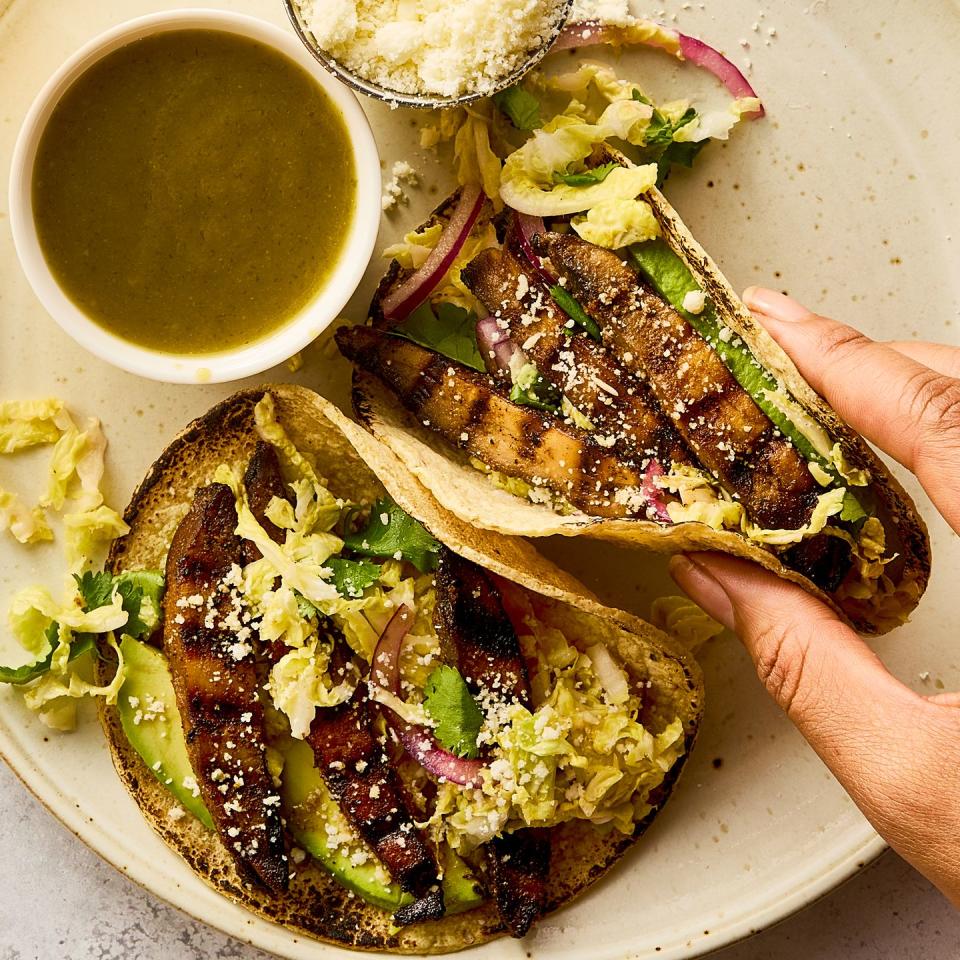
<point>277,346</point>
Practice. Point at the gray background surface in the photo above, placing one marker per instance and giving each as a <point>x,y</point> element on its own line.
<point>61,902</point>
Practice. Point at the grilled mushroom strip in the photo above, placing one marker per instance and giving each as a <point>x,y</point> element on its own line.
<point>208,648</point>
<point>263,481</point>
<point>477,636</point>
<point>728,432</point>
<point>518,864</point>
<point>345,748</point>
<point>472,413</point>
<point>618,404</point>
<point>357,771</point>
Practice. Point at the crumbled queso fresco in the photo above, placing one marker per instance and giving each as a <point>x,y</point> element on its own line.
<point>440,47</point>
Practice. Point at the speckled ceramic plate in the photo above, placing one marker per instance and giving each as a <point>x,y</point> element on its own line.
<point>846,196</point>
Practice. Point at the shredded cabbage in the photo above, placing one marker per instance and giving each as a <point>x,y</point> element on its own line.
<point>717,124</point>
<point>35,619</point>
<point>300,682</point>
<point>683,620</point>
<point>27,525</point>
<point>527,182</point>
<point>28,423</point>
<point>53,696</point>
<point>76,456</point>
<point>475,157</point>
<point>580,754</point>
<point>616,224</point>
<point>88,533</point>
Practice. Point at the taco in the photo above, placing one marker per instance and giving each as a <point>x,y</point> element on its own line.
<point>596,375</point>
<point>387,733</point>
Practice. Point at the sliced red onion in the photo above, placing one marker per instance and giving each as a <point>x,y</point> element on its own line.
<point>417,740</point>
<point>497,348</point>
<point>728,73</point>
<point>527,227</point>
<point>413,291</point>
<point>591,33</point>
<point>420,743</point>
<point>385,666</point>
<point>653,493</point>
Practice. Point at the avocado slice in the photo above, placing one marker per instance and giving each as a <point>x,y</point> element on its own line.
<point>672,279</point>
<point>157,735</point>
<point>312,812</point>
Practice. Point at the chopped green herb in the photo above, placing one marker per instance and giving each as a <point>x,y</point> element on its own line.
<point>660,141</point>
<point>140,592</point>
<point>520,106</point>
<point>678,153</point>
<point>79,645</point>
<point>457,717</point>
<point>450,331</point>
<point>585,178</point>
<point>97,590</point>
<point>352,577</point>
<point>574,311</point>
<point>399,535</point>
<point>305,608</point>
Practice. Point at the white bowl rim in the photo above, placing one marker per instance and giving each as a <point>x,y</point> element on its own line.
<point>298,332</point>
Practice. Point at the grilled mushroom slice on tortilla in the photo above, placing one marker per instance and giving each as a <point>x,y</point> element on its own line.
<point>618,404</point>
<point>470,411</point>
<point>724,427</point>
<point>210,653</point>
<point>356,767</point>
<point>348,754</point>
<point>479,639</point>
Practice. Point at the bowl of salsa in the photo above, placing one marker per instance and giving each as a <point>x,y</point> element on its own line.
<point>193,198</point>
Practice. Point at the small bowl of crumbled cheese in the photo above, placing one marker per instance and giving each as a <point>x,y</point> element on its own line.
<point>428,53</point>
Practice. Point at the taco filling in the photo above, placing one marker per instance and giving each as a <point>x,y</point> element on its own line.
<point>568,351</point>
<point>323,678</point>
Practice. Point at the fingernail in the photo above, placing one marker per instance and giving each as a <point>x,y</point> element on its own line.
<point>703,588</point>
<point>772,303</point>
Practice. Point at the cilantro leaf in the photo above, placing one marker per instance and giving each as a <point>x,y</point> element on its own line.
<point>80,644</point>
<point>520,106</point>
<point>96,589</point>
<point>400,534</point>
<point>352,577</point>
<point>677,153</point>
<point>573,310</point>
<point>585,178</point>
<point>450,331</point>
<point>457,717</point>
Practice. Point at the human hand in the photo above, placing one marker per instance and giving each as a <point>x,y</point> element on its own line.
<point>897,753</point>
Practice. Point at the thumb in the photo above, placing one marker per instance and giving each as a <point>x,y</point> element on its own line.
<point>865,724</point>
<point>892,750</point>
<point>819,671</point>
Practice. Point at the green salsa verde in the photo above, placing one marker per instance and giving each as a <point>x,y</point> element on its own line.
<point>193,190</point>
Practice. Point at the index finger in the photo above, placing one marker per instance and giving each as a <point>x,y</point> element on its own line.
<point>907,409</point>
